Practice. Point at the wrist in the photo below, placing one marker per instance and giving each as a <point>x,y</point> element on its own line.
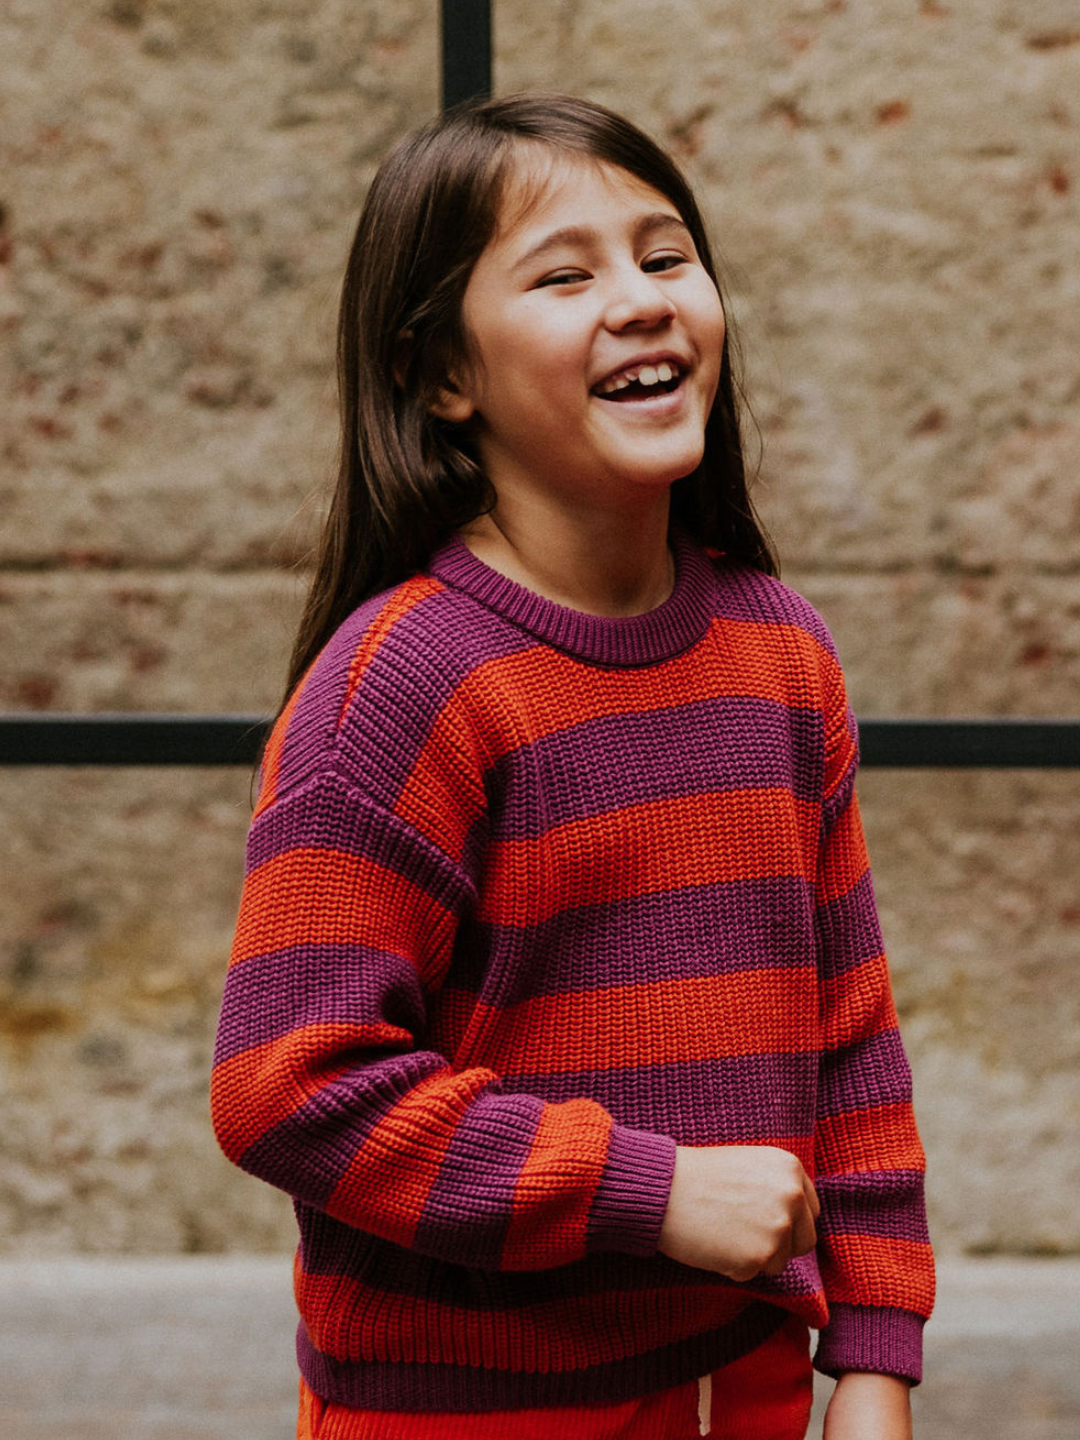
<point>869,1406</point>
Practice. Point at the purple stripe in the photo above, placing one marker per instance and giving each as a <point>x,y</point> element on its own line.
<point>468,1209</point>
<point>872,1072</point>
<point>330,1248</point>
<point>330,815</point>
<point>849,930</point>
<point>409,680</point>
<point>271,995</point>
<point>314,720</point>
<point>888,1203</point>
<point>631,1201</point>
<point>871,1337</point>
<point>614,761</point>
<point>745,594</point>
<point>696,1102</point>
<point>308,1153</point>
<point>370,1385</point>
<point>699,930</point>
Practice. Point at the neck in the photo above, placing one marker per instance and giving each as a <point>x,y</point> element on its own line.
<point>602,562</point>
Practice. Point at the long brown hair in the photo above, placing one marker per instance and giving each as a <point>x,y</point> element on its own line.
<point>407,480</point>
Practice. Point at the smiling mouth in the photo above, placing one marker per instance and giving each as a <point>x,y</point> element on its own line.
<point>641,382</point>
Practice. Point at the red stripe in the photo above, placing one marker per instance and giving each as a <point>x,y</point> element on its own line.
<point>876,1270</point>
<point>881,1138</point>
<point>325,897</point>
<point>348,1321</point>
<point>858,1004</point>
<point>655,846</point>
<point>844,861</point>
<point>557,1184</point>
<point>662,1022</point>
<point>549,698</point>
<point>255,1090</point>
<point>391,1175</point>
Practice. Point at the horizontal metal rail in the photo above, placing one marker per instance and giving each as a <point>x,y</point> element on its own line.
<point>133,739</point>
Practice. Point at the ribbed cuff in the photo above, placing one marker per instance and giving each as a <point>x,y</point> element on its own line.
<point>870,1337</point>
<point>630,1203</point>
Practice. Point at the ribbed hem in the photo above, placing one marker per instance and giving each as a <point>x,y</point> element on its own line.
<point>629,1207</point>
<point>871,1337</point>
<point>628,640</point>
<point>403,1385</point>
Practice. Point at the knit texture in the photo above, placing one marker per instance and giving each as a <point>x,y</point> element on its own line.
<point>532,897</point>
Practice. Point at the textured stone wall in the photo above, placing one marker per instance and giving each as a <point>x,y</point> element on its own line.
<point>893,187</point>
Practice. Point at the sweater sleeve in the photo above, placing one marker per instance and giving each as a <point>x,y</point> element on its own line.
<point>873,1250</point>
<point>323,1084</point>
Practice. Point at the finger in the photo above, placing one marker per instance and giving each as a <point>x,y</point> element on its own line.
<point>780,1258</point>
<point>803,1232</point>
<point>811,1196</point>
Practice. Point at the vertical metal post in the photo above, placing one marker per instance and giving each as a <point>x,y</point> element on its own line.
<point>466,50</point>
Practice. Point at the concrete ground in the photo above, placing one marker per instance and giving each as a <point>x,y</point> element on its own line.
<point>200,1348</point>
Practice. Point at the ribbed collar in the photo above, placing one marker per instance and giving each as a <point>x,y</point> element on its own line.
<point>616,640</point>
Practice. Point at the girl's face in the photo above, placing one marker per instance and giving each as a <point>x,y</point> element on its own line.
<point>595,338</point>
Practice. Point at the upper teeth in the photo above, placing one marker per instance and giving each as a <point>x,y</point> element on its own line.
<point>643,374</point>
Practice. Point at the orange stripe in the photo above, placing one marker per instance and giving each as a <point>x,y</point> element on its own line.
<point>444,794</point>
<point>549,696</point>
<point>390,1176</point>
<point>325,897</point>
<point>258,1088</point>
<point>271,762</point>
<point>402,599</point>
<point>557,1185</point>
<point>350,1322</point>
<point>655,846</point>
<point>877,1270</point>
<point>663,1022</point>
<point>882,1138</point>
<point>858,1004</point>
<point>844,860</point>
<point>839,764</point>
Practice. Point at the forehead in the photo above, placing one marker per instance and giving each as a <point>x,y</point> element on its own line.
<point>544,187</point>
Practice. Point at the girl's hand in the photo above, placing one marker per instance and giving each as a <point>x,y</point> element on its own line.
<point>869,1407</point>
<point>739,1210</point>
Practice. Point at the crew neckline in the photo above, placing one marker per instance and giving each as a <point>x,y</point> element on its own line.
<point>615,640</point>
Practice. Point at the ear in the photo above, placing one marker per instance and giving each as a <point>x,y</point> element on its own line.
<point>452,404</point>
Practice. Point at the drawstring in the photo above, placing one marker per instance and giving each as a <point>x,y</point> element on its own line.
<point>704,1404</point>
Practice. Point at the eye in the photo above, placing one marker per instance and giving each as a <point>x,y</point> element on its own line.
<point>562,277</point>
<point>667,261</point>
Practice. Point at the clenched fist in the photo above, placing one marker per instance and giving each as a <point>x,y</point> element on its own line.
<point>739,1210</point>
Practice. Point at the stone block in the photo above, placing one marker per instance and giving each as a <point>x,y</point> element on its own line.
<point>147,640</point>
<point>121,893</point>
<point>181,182</point>
<point>975,876</point>
<point>941,644</point>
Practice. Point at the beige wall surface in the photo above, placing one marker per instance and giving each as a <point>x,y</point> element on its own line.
<point>893,187</point>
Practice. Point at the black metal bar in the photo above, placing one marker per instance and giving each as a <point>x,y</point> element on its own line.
<point>997,744</point>
<point>465,39</point>
<point>132,739</point>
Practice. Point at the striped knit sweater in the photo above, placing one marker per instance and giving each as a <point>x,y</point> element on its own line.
<point>533,896</point>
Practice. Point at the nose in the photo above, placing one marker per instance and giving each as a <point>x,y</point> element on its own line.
<point>638,299</point>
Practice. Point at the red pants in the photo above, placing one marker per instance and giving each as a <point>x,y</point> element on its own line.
<point>764,1396</point>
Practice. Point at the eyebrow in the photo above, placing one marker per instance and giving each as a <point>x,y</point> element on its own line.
<point>582,235</point>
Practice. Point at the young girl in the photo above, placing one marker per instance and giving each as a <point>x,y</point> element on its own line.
<point>557,1000</point>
